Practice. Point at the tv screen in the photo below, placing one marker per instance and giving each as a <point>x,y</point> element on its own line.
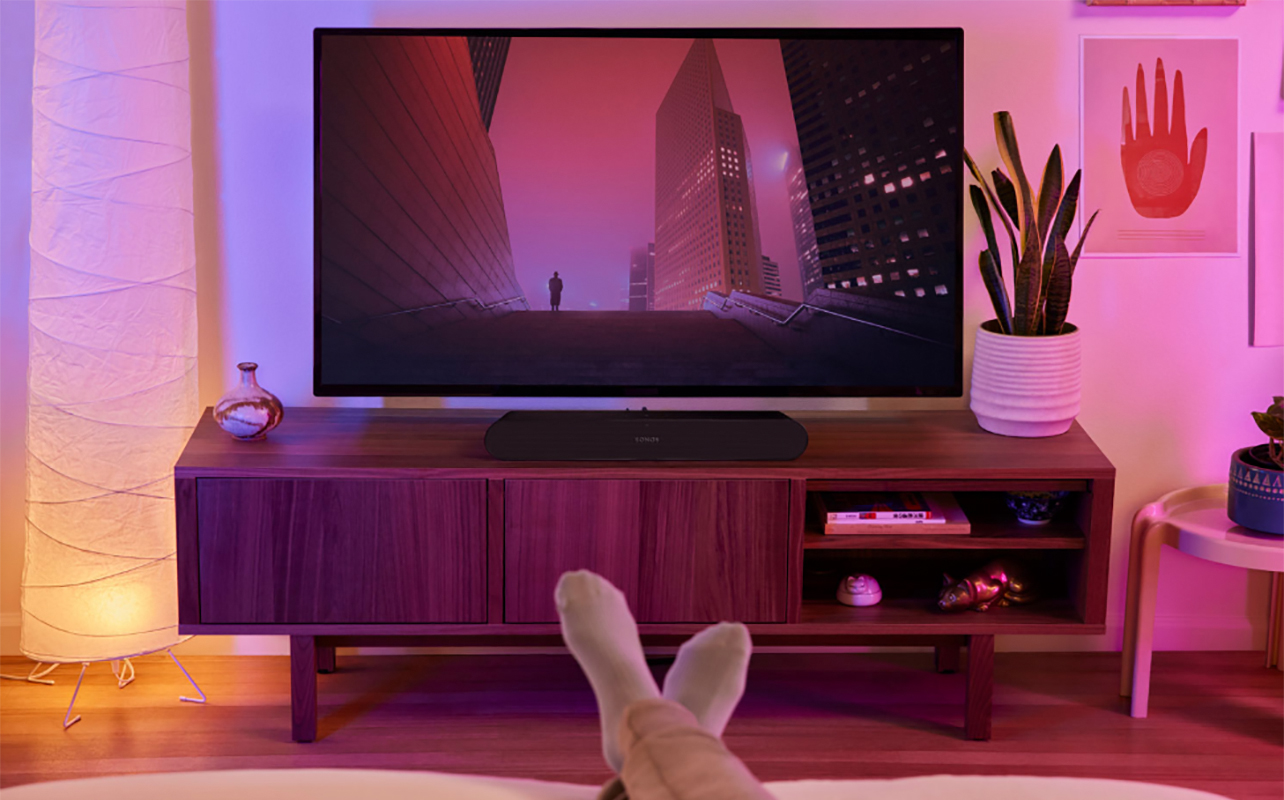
<point>638,213</point>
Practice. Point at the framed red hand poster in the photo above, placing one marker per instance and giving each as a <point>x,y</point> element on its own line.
<point>1159,129</point>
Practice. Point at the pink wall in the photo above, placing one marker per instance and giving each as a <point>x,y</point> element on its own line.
<point>1169,378</point>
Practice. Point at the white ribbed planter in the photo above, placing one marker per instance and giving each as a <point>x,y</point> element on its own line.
<point>1025,385</point>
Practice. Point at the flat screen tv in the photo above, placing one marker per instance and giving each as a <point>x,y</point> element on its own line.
<point>638,213</point>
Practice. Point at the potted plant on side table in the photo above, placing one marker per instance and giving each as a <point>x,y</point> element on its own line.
<point>1256,495</point>
<point>1025,368</point>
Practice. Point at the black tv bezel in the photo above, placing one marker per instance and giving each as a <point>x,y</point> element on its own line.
<point>320,389</point>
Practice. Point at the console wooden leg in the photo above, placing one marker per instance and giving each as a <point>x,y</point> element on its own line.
<point>947,658</point>
<point>303,688</point>
<point>980,686</point>
<point>1275,623</point>
<point>325,659</point>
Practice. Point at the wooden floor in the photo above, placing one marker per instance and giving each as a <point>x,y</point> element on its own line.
<point>1217,719</point>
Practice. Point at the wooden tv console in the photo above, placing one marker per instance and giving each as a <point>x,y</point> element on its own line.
<point>386,527</point>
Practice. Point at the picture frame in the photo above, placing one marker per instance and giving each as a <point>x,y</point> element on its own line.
<point>1171,188</point>
<point>1180,3</point>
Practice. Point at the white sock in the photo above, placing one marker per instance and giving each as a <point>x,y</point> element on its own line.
<point>601,634</point>
<point>708,676</point>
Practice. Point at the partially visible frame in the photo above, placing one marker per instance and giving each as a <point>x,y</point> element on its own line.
<point>1186,3</point>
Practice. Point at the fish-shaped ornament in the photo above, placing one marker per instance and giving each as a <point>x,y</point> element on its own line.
<point>999,583</point>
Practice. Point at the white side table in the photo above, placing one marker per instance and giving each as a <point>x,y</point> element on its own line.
<point>1194,521</point>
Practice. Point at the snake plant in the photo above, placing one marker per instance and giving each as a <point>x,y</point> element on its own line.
<point>1037,226</point>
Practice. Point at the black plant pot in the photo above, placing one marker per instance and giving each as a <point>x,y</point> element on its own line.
<point>1256,495</point>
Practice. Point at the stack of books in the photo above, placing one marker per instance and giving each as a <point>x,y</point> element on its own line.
<point>856,513</point>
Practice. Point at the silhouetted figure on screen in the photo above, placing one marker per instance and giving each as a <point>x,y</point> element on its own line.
<point>555,291</point>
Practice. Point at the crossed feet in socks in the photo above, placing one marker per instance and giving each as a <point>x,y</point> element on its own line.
<point>708,676</point>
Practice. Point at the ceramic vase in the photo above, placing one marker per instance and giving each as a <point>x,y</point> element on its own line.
<point>1035,508</point>
<point>1025,385</point>
<point>1256,496</point>
<point>249,411</point>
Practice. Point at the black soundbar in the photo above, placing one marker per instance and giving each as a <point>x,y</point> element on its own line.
<point>646,436</point>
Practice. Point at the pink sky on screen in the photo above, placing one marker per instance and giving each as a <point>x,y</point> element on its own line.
<point>574,136</point>
<point>1209,70</point>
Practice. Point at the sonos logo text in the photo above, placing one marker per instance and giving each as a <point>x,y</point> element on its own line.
<point>646,439</point>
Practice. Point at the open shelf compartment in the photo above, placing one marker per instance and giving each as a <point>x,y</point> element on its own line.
<point>911,571</point>
<point>994,527</point>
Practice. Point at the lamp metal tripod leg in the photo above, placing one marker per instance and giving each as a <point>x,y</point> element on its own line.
<point>67,719</point>
<point>185,698</point>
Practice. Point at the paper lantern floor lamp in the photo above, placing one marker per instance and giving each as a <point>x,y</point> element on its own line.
<point>112,394</point>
